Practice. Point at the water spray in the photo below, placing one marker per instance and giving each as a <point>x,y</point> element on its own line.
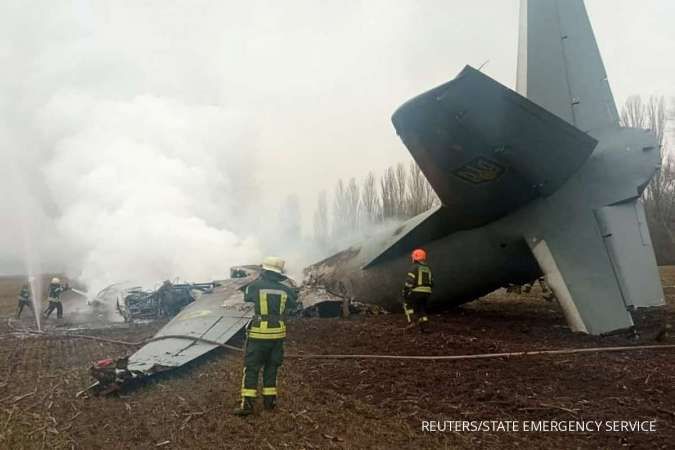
<point>35,292</point>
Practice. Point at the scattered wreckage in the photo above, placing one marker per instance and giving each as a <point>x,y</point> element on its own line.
<point>202,324</point>
<point>135,303</point>
<point>217,316</point>
<point>167,301</point>
<point>319,300</point>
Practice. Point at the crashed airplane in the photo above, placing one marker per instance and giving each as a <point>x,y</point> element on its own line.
<point>539,181</point>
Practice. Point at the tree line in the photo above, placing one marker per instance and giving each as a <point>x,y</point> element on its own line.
<point>401,192</point>
<point>652,113</point>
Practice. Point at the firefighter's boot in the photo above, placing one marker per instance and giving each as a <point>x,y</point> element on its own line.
<point>246,407</point>
<point>270,402</point>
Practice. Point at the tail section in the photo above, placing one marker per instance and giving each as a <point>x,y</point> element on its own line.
<point>487,150</point>
<point>624,230</point>
<point>559,64</point>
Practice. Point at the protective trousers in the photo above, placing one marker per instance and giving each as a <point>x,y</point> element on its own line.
<point>55,305</point>
<point>416,303</point>
<point>265,354</point>
<point>22,304</point>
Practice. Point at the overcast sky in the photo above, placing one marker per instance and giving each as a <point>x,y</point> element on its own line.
<point>287,96</point>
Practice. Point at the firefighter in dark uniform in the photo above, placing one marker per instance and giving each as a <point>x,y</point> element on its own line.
<point>265,340</point>
<point>417,290</point>
<point>54,296</point>
<point>24,300</point>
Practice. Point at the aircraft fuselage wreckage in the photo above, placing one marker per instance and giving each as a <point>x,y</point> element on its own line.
<point>539,181</point>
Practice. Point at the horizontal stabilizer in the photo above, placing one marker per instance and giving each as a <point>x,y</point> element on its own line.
<point>624,229</point>
<point>487,150</point>
<point>416,232</point>
<point>577,266</point>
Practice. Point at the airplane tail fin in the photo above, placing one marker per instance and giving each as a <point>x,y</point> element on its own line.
<point>559,64</point>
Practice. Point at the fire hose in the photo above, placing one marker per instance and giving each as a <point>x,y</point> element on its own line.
<point>565,351</point>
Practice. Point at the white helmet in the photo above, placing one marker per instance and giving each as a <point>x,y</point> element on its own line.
<point>274,264</point>
<point>55,280</point>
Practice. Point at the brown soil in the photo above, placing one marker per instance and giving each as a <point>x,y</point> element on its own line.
<point>351,404</point>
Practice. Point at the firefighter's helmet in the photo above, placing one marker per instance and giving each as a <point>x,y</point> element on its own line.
<point>273,263</point>
<point>55,280</point>
<point>419,255</point>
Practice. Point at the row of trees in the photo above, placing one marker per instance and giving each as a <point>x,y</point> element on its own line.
<point>659,198</point>
<point>400,192</point>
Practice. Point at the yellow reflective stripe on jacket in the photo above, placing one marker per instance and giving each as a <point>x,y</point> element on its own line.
<point>264,310</point>
<point>263,300</point>
<point>255,335</point>
<point>262,331</point>
<point>420,279</point>
<point>420,271</point>
<point>425,289</point>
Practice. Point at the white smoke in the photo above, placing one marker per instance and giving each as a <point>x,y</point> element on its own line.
<point>145,187</point>
<point>116,170</point>
<point>151,140</point>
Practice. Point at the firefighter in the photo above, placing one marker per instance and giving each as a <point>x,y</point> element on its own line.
<point>417,290</point>
<point>24,300</point>
<point>54,296</point>
<point>273,297</point>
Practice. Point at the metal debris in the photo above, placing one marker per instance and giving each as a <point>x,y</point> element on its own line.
<point>167,301</point>
<point>216,316</point>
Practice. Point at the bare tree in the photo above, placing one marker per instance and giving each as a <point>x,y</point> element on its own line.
<point>421,196</point>
<point>659,197</point>
<point>651,114</point>
<point>321,219</point>
<point>388,193</point>
<point>633,113</point>
<point>401,191</point>
<point>370,202</point>
<point>405,192</point>
<point>345,208</point>
<point>339,209</point>
<point>352,197</point>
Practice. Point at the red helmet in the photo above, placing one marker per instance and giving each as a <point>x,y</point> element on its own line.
<point>419,255</point>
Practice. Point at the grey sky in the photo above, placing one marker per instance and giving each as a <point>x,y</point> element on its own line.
<point>285,96</point>
<point>347,131</point>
